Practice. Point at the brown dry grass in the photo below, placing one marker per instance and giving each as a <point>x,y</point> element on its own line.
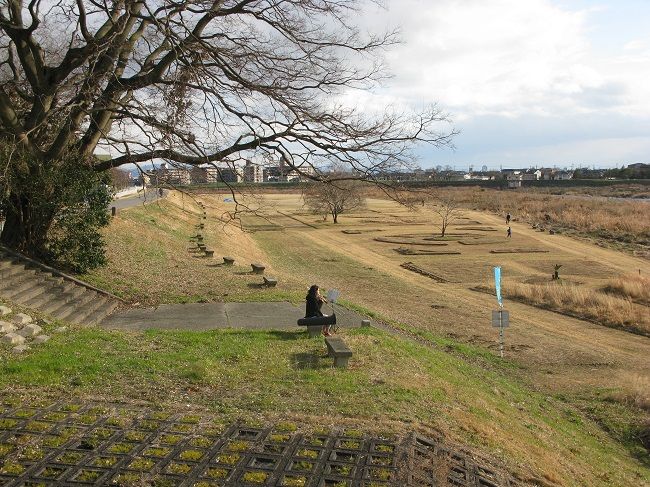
<point>634,286</point>
<point>623,222</point>
<point>640,392</point>
<point>580,301</point>
<point>152,261</point>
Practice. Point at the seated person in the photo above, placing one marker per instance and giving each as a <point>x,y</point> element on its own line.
<point>314,302</point>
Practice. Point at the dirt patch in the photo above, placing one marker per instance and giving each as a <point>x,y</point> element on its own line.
<point>412,267</point>
<point>407,242</point>
<point>481,229</point>
<point>468,222</point>
<point>407,251</point>
<point>358,232</point>
<point>480,241</point>
<point>395,223</point>
<point>518,251</point>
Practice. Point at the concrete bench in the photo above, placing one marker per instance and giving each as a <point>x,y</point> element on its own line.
<point>337,348</point>
<point>315,323</point>
<point>208,252</point>
<point>258,268</point>
<point>228,260</point>
<point>270,281</point>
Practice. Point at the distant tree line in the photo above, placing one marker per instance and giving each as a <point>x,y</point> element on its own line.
<point>637,171</point>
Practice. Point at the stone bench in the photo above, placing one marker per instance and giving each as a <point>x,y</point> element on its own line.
<point>258,268</point>
<point>337,348</point>
<point>208,252</point>
<point>270,281</point>
<point>228,260</point>
<point>315,324</point>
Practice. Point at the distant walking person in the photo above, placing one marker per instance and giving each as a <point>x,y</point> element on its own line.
<point>509,235</point>
<point>314,302</point>
<point>508,219</point>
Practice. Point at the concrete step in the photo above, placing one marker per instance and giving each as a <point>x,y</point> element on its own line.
<point>11,270</point>
<point>70,289</point>
<point>60,285</point>
<point>72,298</point>
<point>33,287</point>
<point>9,285</point>
<point>72,305</point>
<point>20,287</point>
<point>43,299</point>
<point>97,316</point>
<point>83,312</point>
<point>30,293</point>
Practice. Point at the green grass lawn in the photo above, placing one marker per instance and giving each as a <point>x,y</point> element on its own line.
<point>391,383</point>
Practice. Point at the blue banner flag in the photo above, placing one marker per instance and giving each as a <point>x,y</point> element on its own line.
<point>497,284</point>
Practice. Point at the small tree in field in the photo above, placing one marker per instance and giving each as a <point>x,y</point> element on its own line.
<point>333,198</point>
<point>448,209</point>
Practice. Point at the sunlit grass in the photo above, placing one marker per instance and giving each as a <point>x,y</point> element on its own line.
<point>582,301</point>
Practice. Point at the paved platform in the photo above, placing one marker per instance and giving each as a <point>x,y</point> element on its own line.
<point>209,316</point>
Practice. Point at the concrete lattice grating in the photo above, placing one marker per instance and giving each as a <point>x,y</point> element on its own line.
<point>77,444</point>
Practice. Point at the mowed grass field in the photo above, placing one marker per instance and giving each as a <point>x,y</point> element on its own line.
<point>563,408</point>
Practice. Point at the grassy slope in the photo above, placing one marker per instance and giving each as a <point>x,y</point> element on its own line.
<point>467,393</point>
<point>247,373</point>
<point>479,425</point>
<point>150,262</point>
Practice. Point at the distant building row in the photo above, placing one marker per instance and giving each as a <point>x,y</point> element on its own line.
<point>249,173</point>
<point>507,174</point>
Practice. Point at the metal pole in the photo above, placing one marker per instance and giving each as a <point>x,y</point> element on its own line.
<point>501,332</point>
<point>501,340</point>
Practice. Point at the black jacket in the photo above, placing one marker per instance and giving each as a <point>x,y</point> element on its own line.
<point>313,307</point>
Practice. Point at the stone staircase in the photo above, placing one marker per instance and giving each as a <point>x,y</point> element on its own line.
<point>37,286</point>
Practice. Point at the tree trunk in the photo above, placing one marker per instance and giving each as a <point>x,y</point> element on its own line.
<point>26,226</point>
<point>335,217</point>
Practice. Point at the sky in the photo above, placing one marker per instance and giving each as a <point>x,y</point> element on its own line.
<point>528,83</point>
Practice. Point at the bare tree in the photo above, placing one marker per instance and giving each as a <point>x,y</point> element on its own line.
<point>195,82</point>
<point>335,198</point>
<point>120,179</point>
<point>448,209</point>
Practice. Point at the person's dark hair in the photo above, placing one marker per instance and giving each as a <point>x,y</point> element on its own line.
<point>312,291</point>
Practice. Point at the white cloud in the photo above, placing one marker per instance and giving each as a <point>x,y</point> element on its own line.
<point>507,57</point>
<point>520,60</point>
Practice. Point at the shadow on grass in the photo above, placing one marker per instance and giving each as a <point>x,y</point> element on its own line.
<point>287,335</point>
<point>308,360</point>
<point>216,265</point>
<point>256,285</point>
